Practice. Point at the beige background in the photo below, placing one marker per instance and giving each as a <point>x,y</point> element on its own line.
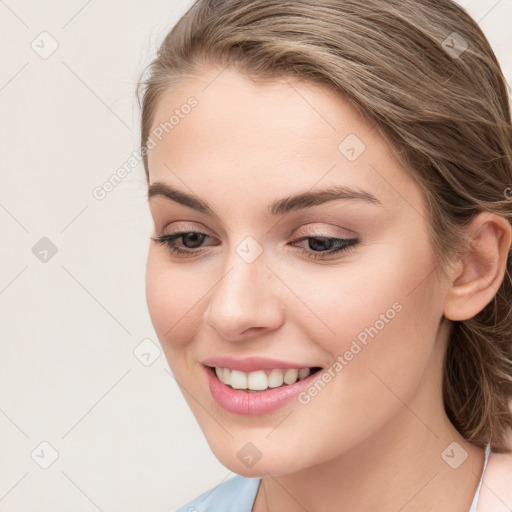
<point>124,436</point>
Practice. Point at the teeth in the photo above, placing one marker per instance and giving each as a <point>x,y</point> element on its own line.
<point>237,380</point>
<point>257,380</point>
<point>291,376</point>
<point>261,379</point>
<point>303,373</point>
<point>275,379</point>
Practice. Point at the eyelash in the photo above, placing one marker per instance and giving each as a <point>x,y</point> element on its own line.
<point>344,244</point>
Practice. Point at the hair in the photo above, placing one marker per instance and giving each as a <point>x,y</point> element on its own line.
<point>445,113</point>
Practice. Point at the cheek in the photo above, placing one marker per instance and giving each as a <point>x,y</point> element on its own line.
<point>345,300</point>
<point>173,296</point>
<point>384,314</point>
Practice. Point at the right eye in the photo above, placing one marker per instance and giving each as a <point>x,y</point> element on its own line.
<point>190,239</point>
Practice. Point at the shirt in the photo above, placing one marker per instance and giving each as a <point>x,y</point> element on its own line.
<point>238,494</point>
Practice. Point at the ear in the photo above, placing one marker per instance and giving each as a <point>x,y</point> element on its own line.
<point>478,273</point>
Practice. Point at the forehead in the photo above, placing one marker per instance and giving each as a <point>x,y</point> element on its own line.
<point>265,139</point>
<point>301,112</point>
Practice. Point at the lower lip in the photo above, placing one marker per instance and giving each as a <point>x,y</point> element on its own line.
<point>254,404</point>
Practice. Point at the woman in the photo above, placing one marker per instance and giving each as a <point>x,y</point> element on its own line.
<point>329,274</point>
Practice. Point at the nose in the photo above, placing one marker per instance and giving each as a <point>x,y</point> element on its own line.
<point>245,303</point>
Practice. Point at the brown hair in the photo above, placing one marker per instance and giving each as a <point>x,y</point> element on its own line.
<point>424,74</point>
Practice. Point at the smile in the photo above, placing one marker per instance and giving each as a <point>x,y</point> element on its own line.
<point>258,388</point>
<point>262,379</point>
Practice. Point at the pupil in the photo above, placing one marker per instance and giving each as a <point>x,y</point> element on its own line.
<point>196,239</point>
<point>319,243</point>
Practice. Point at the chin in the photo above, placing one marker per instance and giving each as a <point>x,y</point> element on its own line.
<point>248,461</point>
<point>260,469</point>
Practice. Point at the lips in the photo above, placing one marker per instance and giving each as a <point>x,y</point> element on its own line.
<point>249,402</point>
<point>251,364</point>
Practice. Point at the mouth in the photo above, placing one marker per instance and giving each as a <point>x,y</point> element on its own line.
<point>258,390</point>
<point>260,380</point>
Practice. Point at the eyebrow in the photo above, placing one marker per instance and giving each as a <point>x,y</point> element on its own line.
<point>279,207</point>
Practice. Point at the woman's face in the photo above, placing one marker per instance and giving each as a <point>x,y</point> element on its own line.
<point>261,277</point>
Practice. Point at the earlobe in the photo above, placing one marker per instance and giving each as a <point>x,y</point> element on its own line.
<point>481,268</point>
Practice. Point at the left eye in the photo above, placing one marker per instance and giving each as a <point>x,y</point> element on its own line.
<point>320,247</point>
<point>324,247</point>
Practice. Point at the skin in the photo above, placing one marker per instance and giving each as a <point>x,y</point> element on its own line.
<point>373,438</point>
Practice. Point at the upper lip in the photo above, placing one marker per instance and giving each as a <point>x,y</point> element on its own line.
<point>251,364</point>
